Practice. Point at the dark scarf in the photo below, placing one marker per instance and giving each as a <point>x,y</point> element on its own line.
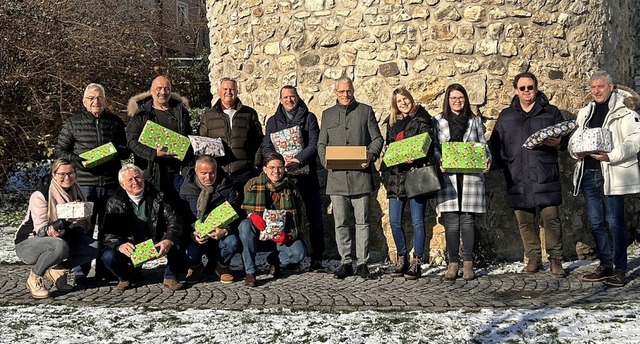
<point>457,126</point>
<point>203,198</point>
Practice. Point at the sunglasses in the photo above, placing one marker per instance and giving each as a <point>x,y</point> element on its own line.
<point>528,88</point>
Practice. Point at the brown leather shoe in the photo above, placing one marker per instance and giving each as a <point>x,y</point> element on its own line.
<point>172,284</point>
<point>223,273</point>
<point>600,274</point>
<point>123,285</point>
<point>556,268</point>
<point>452,272</point>
<point>250,280</point>
<point>532,267</point>
<point>467,270</point>
<point>618,280</point>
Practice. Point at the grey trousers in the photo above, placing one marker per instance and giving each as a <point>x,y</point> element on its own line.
<point>360,205</point>
<point>47,252</point>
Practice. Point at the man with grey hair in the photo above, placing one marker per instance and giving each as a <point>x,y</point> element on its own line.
<point>135,213</point>
<point>350,123</point>
<point>605,177</point>
<point>84,131</point>
<point>239,128</point>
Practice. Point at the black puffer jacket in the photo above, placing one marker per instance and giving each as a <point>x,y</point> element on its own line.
<point>393,177</point>
<point>532,175</point>
<point>242,143</point>
<point>83,132</point>
<point>164,222</point>
<point>224,191</point>
<point>140,109</point>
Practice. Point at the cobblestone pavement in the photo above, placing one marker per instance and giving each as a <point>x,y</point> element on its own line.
<point>320,291</point>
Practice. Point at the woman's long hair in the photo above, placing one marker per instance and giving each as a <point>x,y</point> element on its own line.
<point>394,106</point>
<point>466,108</point>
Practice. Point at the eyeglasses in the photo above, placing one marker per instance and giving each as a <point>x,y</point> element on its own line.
<point>98,98</point>
<point>273,168</point>
<point>344,91</point>
<point>64,175</point>
<point>137,179</point>
<point>457,99</point>
<point>528,88</point>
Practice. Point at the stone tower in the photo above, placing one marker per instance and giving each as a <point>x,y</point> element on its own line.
<point>424,45</point>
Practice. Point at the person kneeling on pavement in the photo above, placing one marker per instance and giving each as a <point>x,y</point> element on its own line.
<point>204,188</point>
<point>135,213</point>
<point>51,244</point>
<point>271,190</point>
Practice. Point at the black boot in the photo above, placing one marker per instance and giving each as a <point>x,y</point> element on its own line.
<point>402,264</point>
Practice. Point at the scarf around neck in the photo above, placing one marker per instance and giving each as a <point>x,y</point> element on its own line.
<point>203,199</point>
<point>264,194</point>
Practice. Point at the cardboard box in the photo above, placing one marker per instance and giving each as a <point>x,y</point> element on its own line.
<point>345,157</point>
<point>591,140</point>
<point>414,147</point>
<point>220,217</point>
<point>144,252</point>
<point>203,145</point>
<point>156,136</point>
<point>74,210</point>
<point>275,221</point>
<point>464,157</point>
<point>99,155</point>
<point>289,142</point>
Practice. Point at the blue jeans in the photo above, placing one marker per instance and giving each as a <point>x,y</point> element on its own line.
<point>396,221</point>
<point>224,249</point>
<point>122,267</point>
<point>606,218</point>
<point>290,253</point>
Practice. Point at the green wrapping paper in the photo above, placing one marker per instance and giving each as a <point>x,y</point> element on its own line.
<point>464,157</point>
<point>99,155</point>
<point>156,136</point>
<point>144,252</point>
<point>414,147</point>
<point>220,217</point>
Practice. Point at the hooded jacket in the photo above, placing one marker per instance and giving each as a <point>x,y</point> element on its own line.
<point>621,173</point>
<point>532,175</point>
<point>140,108</point>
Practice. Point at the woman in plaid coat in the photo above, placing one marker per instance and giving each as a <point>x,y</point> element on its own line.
<point>463,196</point>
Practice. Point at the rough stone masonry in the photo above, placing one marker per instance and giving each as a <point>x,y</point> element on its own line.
<point>426,45</point>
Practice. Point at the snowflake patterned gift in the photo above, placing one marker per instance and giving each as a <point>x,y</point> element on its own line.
<point>551,132</point>
<point>203,145</point>
<point>464,157</point>
<point>99,155</point>
<point>414,147</point>
<point>156,136</point>
<point>275,221</point>
<point>220,217</point>
<point>591,140</point>
<point>74,210</point>
<point>289,142</point>
<point>144,252</point>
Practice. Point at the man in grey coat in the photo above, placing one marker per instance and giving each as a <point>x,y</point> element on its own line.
<point>350,123</point>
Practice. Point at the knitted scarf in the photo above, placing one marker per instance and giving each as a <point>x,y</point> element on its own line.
<point>58,195</point>
<point>203,199</point>
<point>261,193</point>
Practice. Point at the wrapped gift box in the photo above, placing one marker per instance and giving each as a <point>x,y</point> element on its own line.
<point>275,221</point>
<point>414,147</point>
<point>144,252</point>
<point>289,142</point>
<point>219,217</point>
<point>464,157</point>
<point>99,155</point>
<point>156,136</point>
<point>345,157</point>
<point>74,210</point>
<point>203,145</point>
<point>553,131</point>
<point>591,140</point>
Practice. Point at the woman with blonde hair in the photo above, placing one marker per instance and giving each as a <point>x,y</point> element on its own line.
<point>407,119</point>
<point>463,196</point>
<point>54,245</point>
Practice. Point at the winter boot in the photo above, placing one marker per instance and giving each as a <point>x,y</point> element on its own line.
<point>556,268</point>
<point>467,270</point>
<point>415,269</point>
<point>401,266</point>
<point>36,286</point>
<point>452,272</point>
<point>58,275</point>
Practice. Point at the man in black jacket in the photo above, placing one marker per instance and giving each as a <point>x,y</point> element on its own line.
<point>85,131</point>
<point>135,213</point>
<point>293,112</point>
<point>532,175</point>
<point>241,132</point>
<point>204,188</point>
<point>169,110</point>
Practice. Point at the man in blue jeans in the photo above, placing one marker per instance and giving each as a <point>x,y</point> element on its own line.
<point>605,177</point>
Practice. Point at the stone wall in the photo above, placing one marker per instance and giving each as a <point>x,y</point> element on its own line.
<point>425,45</point>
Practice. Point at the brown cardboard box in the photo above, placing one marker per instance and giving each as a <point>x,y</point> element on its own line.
<point>346,157</point>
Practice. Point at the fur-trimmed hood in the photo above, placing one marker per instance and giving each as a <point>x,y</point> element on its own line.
<point>631,99</point>
<point>139,100</point>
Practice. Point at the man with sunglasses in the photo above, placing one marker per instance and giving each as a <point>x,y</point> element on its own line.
<point>532,175</point>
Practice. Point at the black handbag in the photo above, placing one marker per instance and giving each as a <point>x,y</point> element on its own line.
<point>423,181</point>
